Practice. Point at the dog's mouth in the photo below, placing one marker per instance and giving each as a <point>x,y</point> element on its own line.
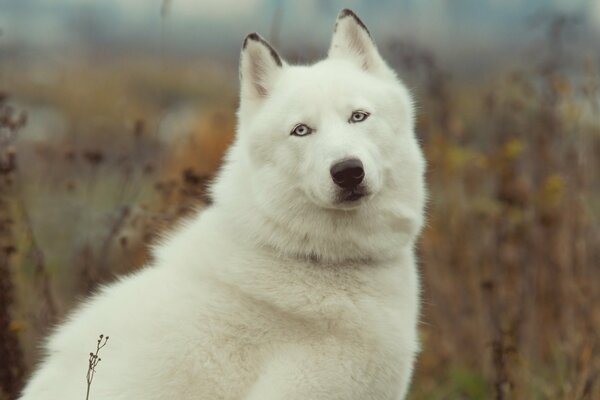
<point>344,199</point>
<point>352,196</point>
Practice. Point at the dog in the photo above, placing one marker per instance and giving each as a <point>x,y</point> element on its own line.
<point>299,281</point>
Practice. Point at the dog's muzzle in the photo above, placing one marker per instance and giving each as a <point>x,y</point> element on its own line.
<point>348,176</point>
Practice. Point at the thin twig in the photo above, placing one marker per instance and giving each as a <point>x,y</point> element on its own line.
<point>93,362</point>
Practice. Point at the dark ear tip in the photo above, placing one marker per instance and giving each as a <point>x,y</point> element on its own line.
<point>255,37</point>
<point>346,12</point>
<point>251,36</point>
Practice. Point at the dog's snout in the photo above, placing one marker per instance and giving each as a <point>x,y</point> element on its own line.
<point>347,174</point>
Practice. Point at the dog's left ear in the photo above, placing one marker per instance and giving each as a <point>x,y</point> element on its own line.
<point>352,41</point>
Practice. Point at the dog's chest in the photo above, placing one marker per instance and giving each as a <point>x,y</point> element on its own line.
<point>373,330</point>
<point>246,331</point>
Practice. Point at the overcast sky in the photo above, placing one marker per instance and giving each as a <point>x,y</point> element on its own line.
<point>213,27</point>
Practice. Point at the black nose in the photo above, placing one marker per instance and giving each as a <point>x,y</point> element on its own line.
<point>347,174</point>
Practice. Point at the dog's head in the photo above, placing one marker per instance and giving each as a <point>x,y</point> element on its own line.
<point>336,136</point>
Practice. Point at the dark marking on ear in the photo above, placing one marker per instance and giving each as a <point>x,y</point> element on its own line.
<point>256,37</point>
<point>251,36</point>
<point>346,12</point>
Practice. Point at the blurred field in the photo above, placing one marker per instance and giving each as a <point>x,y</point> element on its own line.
<point>114,152</point>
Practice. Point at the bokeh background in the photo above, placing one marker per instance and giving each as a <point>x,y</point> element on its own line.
<point>114,115</point>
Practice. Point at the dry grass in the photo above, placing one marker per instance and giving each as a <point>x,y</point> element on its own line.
<point>510,257</point>
<point>11,354</point>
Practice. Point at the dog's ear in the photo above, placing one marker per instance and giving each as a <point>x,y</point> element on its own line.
<point>352,41</point>
<point>259,67</point>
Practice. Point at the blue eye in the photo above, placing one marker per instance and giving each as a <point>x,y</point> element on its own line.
<point>301,130</point>
<point>358,116</point>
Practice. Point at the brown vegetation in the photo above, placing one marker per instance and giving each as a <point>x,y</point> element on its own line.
<point>13,367</point>
<point>510,256</point>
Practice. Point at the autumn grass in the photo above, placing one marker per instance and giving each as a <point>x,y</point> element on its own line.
<point>509,258</point>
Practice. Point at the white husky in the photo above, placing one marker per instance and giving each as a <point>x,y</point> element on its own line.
<point>300,281</point>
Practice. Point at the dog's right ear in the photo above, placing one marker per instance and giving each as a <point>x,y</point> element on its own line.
<point>260,65</point>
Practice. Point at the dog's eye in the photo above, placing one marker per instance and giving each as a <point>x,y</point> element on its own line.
<point>301,130</point>
<point>358,116</point>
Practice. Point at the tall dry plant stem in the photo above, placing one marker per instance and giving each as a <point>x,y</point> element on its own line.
<point>93,362</point>
<point>12,367</point>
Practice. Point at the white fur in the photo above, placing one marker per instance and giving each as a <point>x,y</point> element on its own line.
<point>277,291</point>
